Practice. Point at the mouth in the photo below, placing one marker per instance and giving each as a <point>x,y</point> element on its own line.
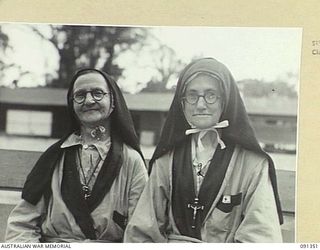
<point>202,115</point>
<point>88,110</point>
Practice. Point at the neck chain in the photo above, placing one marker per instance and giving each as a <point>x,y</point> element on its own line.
<point>85,187</point>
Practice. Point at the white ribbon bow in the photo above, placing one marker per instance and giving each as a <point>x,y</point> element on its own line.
<point>222,124</point>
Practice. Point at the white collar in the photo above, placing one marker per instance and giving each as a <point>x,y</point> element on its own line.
<point>101,146</point>
<point>202,133</point>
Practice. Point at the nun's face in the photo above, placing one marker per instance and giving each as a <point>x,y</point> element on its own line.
<point>93,93</point>
<point>202,101</point>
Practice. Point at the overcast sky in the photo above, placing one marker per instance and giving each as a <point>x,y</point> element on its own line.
<point>248,52</point>
<point>257,53</point>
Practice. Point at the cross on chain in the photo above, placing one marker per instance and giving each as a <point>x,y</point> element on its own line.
<point>195,206</point>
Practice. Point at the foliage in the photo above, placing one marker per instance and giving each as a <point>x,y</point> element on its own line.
<point>4,40</point>
<point>260,88</point>
<point>167,66</point>
<point>90,46</point>
<point>5,64</point>
<point>103,47</point>
<point>155,66</point>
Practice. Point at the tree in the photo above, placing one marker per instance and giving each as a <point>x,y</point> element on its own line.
<point>166,65</point>
<point>90,46</point>
<point>4,45</point>
<point>5,63</point>
<point>4,40</point>
<point>135,57</point>
<point>259,88</point>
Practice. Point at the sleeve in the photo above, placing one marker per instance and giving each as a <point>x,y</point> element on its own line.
<point>24,222</point>
<point>138,182</point>
<point>150,217</point>
<point>260,218</point>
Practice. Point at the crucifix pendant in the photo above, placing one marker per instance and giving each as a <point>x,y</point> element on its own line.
<point>195,206</point>
<point>87,191</point>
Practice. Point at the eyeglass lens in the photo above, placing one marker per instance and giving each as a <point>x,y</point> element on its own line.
<point>209,97</point>
<point>80,96</point>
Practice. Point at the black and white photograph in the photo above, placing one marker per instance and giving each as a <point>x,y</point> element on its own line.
<point>154,134</point>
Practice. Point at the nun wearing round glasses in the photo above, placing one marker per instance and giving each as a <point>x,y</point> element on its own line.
<point>84,187</point>
<point>210,180</point>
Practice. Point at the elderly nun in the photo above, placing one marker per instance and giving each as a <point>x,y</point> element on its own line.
<point>210,180</point>
<point>85,187</point>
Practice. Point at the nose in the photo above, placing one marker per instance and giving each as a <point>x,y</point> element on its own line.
<point>89,99</point>
<point>201,104</point>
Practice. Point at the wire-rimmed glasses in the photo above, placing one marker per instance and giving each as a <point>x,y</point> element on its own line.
<point>210,97</point>
<point>80,96</point>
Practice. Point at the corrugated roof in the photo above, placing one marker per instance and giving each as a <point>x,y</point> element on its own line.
<point>142,101</point>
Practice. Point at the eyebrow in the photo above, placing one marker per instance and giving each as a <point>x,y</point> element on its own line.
<point>206,90</point>
<point>88,89</point>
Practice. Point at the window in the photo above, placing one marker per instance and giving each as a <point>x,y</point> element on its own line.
<point>29,122</point>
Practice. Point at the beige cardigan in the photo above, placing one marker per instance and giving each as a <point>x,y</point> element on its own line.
<point>254,220</point>
<point>28,223</point>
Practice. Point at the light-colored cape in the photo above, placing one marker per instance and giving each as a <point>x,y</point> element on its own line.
<point>254,220</point>
<point>28,223</point>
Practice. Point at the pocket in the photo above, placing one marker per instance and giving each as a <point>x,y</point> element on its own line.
<point>218,226</point>
<point>228,202</point>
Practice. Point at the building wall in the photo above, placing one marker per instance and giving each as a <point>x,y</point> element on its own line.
<point>3,117</point>
<point>148,125</point>
<point>275,129</point>
<point>6,107</point>
<point>60,119</point>
<point>269,129</point>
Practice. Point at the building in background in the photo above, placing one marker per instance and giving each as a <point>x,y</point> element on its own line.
<point>42,112</point>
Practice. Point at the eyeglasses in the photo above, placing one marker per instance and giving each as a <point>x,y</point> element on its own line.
<point>209,97</point>
<point>97,94</point>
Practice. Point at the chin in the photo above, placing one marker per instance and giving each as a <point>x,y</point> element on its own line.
<point>91,121</point>
<point>204,124</point>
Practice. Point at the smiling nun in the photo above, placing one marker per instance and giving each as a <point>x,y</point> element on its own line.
<point>85,187</point>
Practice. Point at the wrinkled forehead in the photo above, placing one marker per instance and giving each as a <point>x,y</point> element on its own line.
<point>208,65</point>
<point>211,67</point>
<point>202,81</point>
<point>90,80</point>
